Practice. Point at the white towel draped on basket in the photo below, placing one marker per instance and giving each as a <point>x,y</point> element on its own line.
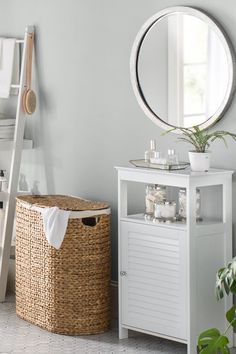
<point>55,221</point>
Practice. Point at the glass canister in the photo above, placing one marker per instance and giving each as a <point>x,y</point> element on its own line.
<point>198,205</point>
<point>172,157</point>
<point>165,211</point>
<point>183,204</point>
<point>149,201</point>
<point>154,193</point>
<point>160,193</point>
<point>169,210</point>
<point>158,210</point>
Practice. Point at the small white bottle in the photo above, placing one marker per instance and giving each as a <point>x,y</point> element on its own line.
<point>149,154</point>
<point>3,181</point>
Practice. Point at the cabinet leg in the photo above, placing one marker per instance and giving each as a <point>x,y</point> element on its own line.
<point>123,332</point>
<point>192,348</point>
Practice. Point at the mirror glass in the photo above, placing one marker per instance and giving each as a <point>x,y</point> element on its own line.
<point>183,71</point>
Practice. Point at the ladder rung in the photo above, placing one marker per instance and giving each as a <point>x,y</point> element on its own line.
<point>13,247</point>
<point>4,196</point>
<point>8,144</point>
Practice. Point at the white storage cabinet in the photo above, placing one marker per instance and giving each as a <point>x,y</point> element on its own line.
<point>167,271</point>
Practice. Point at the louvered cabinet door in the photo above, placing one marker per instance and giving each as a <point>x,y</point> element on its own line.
<point>153,279</point>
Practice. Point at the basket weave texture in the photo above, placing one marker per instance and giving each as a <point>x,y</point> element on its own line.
<point>65,291</point>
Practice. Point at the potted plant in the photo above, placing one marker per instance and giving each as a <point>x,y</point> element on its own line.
<point>211,341</point>
<point>200,157</point>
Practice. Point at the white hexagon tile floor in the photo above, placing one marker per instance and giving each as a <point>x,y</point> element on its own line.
<point>20,337</point>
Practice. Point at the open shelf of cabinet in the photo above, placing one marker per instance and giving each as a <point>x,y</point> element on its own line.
<point>167,271</point>
<point>205,223</point>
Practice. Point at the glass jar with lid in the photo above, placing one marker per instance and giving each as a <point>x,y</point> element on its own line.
<point>198,205</point>
<point>165,211</point>
<point>154,193</point>
<point>183,205</point>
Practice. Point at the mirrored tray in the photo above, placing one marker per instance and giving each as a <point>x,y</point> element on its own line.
<point>142,163</point>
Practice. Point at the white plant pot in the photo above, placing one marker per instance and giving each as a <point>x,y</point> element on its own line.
<point>199,161</point>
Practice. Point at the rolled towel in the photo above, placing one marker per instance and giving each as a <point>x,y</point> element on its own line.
<point>1,44</point>
<point>16,70</point>
<point>6,67</point>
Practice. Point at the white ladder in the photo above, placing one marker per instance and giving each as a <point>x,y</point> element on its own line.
<point>17,146</point>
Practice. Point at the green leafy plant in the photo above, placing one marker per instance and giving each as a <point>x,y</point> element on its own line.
<point>212,341</point>
<point>201,139</point>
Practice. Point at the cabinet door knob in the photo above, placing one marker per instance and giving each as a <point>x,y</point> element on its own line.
<point>123,273</point>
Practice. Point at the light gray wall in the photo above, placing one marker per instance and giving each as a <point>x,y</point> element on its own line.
<point>153,78</point>
<point>88,120</point>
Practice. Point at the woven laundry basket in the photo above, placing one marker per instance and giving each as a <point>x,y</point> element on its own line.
<point>65,291</point>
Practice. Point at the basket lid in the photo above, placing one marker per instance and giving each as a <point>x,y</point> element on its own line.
<point>62,202</point>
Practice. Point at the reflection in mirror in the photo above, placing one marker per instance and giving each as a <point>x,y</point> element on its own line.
<point>182,70</point>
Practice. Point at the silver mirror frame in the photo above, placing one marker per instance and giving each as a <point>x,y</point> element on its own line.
<point>230,59</point>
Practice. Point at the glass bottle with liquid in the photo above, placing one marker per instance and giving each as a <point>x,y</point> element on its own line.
<point>151,152</point>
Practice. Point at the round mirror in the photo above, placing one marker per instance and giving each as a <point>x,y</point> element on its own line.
<point>182,69</point>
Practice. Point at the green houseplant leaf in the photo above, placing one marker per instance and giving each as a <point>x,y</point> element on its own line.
<point>212,341</point>
<point>231,316</point>
<point>201,139</point>
<point>226,280</point>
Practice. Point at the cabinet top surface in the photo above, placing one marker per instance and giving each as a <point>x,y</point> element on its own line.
<point>187,173</point>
